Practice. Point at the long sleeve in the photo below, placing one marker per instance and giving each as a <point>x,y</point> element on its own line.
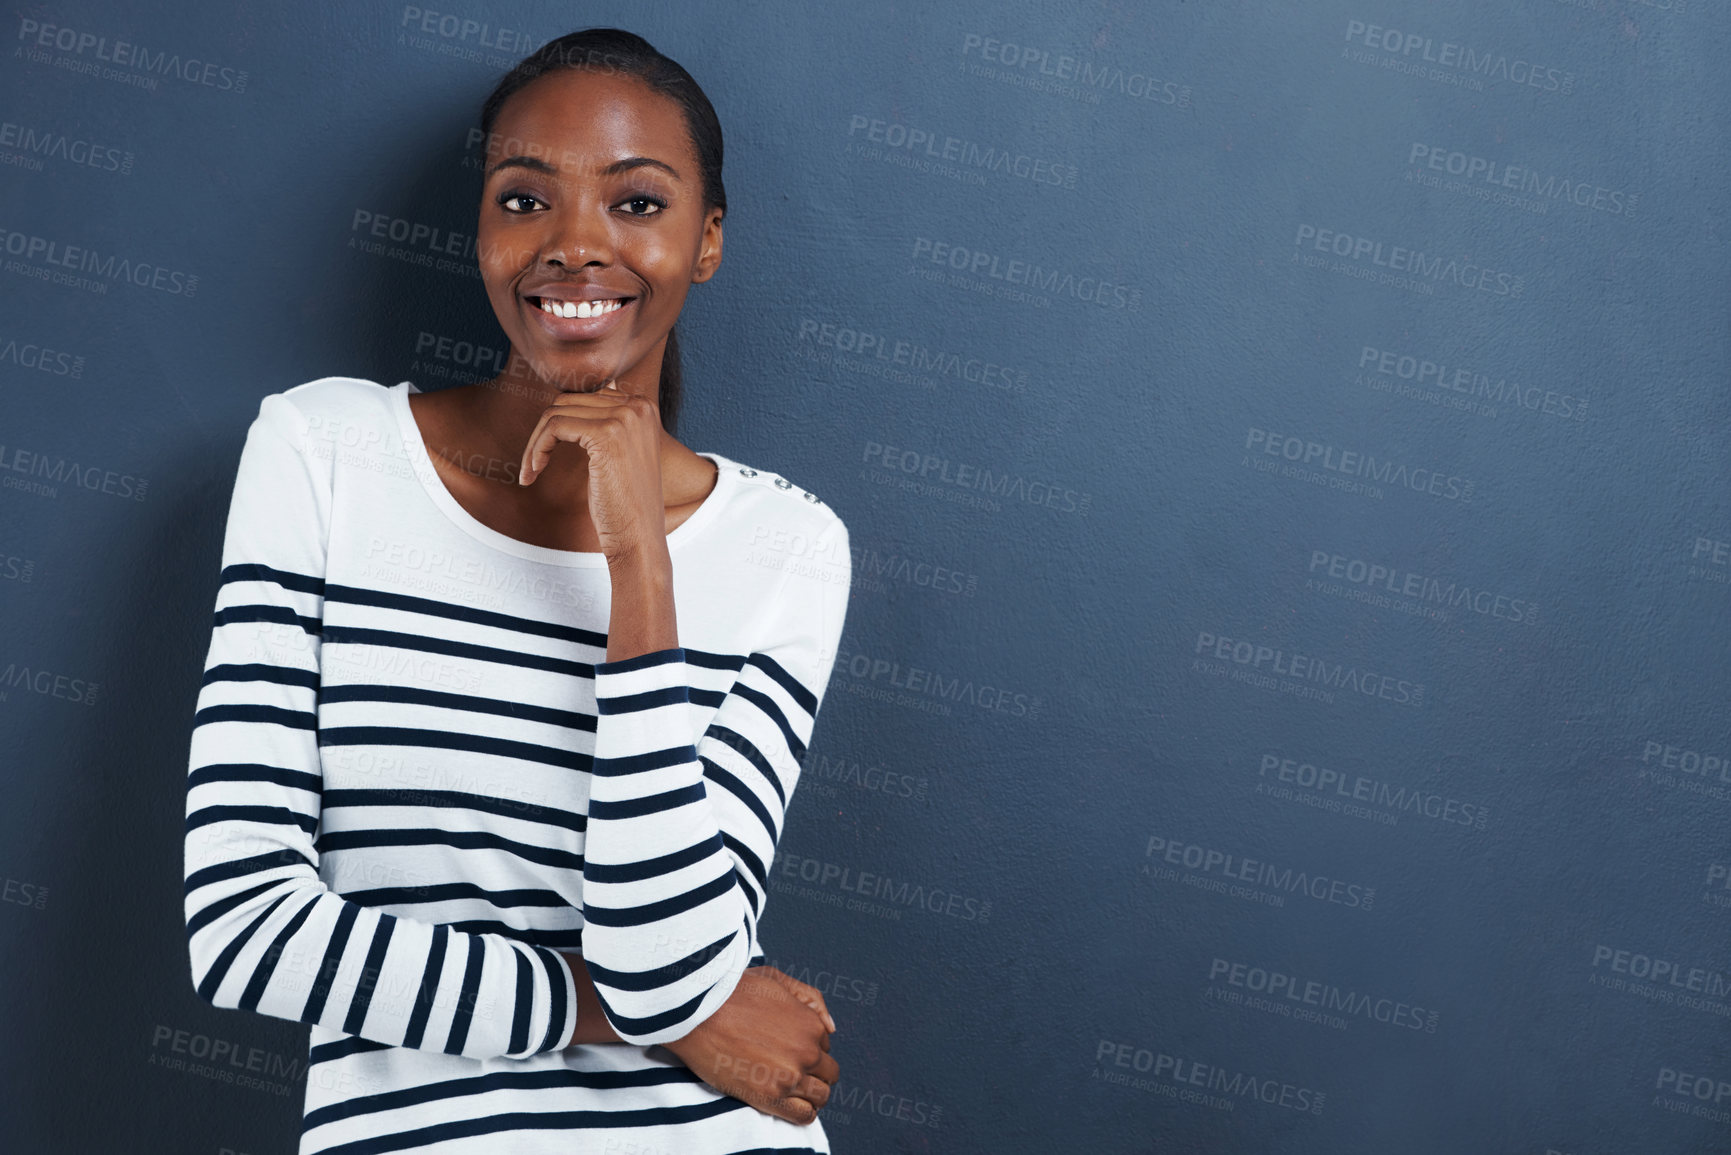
<point>681,834</point>
<point>264,932</point>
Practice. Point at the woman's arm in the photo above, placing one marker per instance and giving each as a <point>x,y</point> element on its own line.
<point>264,933</point>
<point>680,833</point>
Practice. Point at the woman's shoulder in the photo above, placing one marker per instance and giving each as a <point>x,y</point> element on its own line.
<point>334,396</point>
<point>763,493</point>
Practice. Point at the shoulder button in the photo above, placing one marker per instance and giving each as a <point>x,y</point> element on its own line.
<point>748,471</point>
<point>783,483</point>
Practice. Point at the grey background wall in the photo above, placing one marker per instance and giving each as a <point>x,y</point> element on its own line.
<point>1284,444</point>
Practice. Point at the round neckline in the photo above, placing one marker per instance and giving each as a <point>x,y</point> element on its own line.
<point>434,485</point>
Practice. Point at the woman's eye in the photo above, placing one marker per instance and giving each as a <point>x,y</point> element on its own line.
<point>643,206</point>
<point>509,197</point>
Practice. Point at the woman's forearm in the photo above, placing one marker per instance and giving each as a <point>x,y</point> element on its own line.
<point>592,1024</point>
<point>642,618</point>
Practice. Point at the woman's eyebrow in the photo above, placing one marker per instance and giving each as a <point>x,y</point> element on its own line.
<point>538,165</point>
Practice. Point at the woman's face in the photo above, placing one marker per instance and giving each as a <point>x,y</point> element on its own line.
<point>592,193</point>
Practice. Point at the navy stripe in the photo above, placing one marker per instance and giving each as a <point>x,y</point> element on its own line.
<point>748,750</point>
<point>446,1089</point>
<point>298,719</point>
<point>362,692</point>
<point>356,636</point>
<point>288,579</point>
<point>456,800</point>
<point>651,1023</point>
<point>452,892</point>
<point>537,1121</point>
<point>222,906</point>
<point>565,938</point>
<point>651,867</point>
<point>223,871</point>
<point>354,595</point>
<point>342,1049</point>
<point>643,700</point>
<point>259,672</point>
<point>276,615</point>
<point>804,698</point>
<point>666,908</point>
<point>363,999</point>
<point>315,1005</point>
<point>642,661</point>
<point>771,709</point>
<point>752,863</point>
<point>254,772</point>
<point>661,976</point>
<point>261,974</point>
<point>649,804</point>
<point>524,1003</point>
<point>642,763</point>
<point>739,790</point>
<point>429,988</point>
<point>268,815</point>
<point>461,839</point>
<point>465,1011</point>
<point>557,973</point>
<point>451,740</point>
<point>219,969</point>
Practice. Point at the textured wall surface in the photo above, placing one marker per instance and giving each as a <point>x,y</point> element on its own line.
<point>1283,700</point>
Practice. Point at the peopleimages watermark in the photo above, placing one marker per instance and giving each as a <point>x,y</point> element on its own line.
<point>41,358</point>
<point>1458,386</point>
<point>82,267</point>
<point>932,475</point>
<point>1289,995</point>
<point>1449,61</point>
<point>1298,674</point>
<point>857,347</point>
<point>1524,185</point>
<point>1403,265</point>
<point>91,53</point>
<point>1661,979</point>
<point>930,150</point>
<point>1092,290</point>
<point>1214,870</point>
<point>27,146</point>
<point>1394,587</point>
<point>1333,789</point>
<point>921,684</point>
<point>1356,469</point>
<point>1069,74</point>
<point>42,473</point>
<point>1177,1077</point>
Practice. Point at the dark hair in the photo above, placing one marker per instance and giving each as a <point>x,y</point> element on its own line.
<point>615,50</point>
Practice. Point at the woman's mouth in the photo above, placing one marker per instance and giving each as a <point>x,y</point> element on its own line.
<point>567,319</point>
<point>556,308</point>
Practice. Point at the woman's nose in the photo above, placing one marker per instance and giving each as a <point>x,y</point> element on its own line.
<point>578,234</point>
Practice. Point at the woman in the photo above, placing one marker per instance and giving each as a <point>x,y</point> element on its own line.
<point>506,694</point>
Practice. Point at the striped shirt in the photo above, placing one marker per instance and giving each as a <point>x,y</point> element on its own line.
<point>414,777</point>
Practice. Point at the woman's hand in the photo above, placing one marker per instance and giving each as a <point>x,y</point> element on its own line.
<point>767,1045</point>
<point>621,433</point>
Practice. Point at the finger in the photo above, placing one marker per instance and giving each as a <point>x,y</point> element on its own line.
<point>813,1090</point>
<point>811,997</point>
<point>794,1109</point>
<point>553,428</point>
<point>827,1069</point>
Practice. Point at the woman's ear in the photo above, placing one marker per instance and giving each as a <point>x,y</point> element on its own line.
<point>709,252</point>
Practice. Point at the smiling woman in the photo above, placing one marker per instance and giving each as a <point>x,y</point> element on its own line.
<point>506,699</point>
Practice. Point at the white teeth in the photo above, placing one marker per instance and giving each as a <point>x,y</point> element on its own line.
<point>578,308</point>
